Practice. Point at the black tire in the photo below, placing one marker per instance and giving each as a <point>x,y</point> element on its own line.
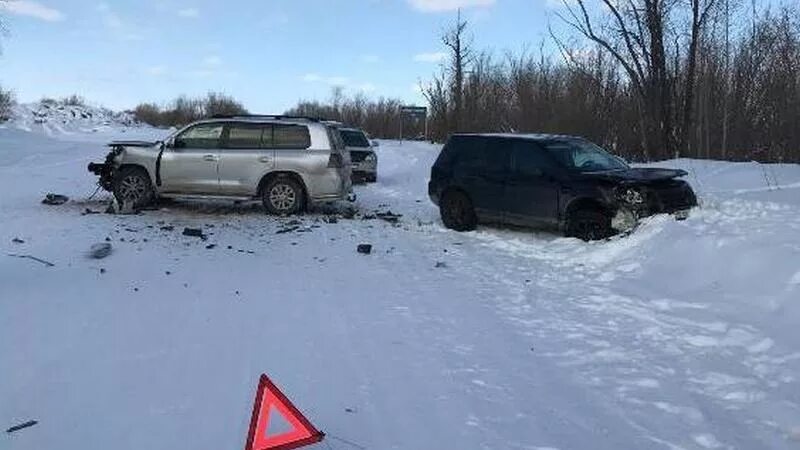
<point>457,211</point>
<point>589,225</point>
<point>283,196</point>
<point>132,187</point>
<point>373,178</point>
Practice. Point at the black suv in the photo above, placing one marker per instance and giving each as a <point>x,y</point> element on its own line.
<point>563,183</point>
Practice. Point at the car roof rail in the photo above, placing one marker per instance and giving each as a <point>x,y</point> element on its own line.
<point>265,116</point>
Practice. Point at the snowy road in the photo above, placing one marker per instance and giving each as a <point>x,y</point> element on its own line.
<point>682,335</point>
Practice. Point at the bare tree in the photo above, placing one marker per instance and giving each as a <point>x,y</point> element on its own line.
<point>700,15</point>
<point>457,43</point>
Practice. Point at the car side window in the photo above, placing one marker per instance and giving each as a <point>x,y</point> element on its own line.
<point>497,155</point>
<point>247,136</point>
<point>205,135</point>
<point>471,152</point>
<point>294,137</point>
<point>530,160</point>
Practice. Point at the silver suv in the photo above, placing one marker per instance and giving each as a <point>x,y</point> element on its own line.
<point>362,152</point>
<point>287,162</point>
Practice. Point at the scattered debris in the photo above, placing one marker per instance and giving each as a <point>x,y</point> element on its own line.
<point>168,272</point>
<point>364,249</point>
<point>350,410</point>
<point>102,270</point>
<point>22,426</point>
<point>17,241</point>
<point>100,251</point>
<point>287,230</point>
<point>330,219</point>
<point>46,263</point>
<point>55,199</point>
<point>388,216</point>
<point>210,246</point>
<point>441,264</point>
<point>89,211</point>
<point>167,228</point>
<point>194,232</point>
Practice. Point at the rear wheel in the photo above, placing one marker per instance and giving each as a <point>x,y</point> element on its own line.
<point>457,211</point>
<point>132,187</point>
<point>283,196</point>
<point>589,225</point>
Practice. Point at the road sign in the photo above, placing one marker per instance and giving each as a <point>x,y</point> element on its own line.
<point>276,423</point>
<point>414,111</point>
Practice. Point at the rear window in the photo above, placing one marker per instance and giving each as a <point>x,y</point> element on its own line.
<point>335,137</point>
<point>353,138</point>
<point>290,137</point>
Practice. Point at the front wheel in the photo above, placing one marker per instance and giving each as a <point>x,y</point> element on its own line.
<point>283,196</point>
<point>457,211</point>
<point>589,225</point>
<point>132,187</point>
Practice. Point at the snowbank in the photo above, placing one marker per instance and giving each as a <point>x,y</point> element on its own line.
<point>682,335</point>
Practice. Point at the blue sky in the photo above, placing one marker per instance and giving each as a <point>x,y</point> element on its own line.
<point>266,53</point>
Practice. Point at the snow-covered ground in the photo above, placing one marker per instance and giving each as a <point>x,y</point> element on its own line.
<point>682,335</point>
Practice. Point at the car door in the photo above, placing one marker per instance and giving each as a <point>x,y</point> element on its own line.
<point>189,164</point>
<point>532,187</point>
<point>247,155</point>
<point>481,169</point>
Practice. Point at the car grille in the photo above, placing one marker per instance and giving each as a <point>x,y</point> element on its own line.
<point>358,156</point>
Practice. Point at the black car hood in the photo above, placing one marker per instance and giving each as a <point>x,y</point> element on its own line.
<point>637,175</point>
<point>132,144</point>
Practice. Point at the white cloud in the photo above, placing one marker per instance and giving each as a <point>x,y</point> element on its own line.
<point>32,8</point>
<point>212,60</point>
<point>189,13</point>
<point>448,5</point>
<point>430,57</point>
<point>311,77</point>
<point>156,70</point>
<point>119,28</point>
<point>367,87</point>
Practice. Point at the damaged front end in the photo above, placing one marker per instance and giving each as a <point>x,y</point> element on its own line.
<point>639,200</point>
<point>107,170</point>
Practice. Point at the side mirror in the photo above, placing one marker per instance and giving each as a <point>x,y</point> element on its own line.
<point>376,144</point>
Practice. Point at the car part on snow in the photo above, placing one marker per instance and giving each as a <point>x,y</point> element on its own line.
<point>100,251</point>
<point>46,263</point>
<point>22,426</point>
<point>55,199</point>
<point>194,232</point>
<point>364,249</point>
<point>17,241</point>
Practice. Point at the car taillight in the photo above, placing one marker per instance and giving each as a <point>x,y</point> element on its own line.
<point>336,161</point>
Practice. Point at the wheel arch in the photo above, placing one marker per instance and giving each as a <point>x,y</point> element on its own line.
<point>268,177</point>
<point>138,167</point>
<point>581,203</point>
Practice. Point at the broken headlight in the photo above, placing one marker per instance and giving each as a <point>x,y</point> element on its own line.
<point>630,196</point>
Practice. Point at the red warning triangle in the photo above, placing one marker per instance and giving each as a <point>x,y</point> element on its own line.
<point>269,402</point>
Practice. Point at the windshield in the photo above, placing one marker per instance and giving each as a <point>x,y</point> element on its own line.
<point>354,138</point>
<point>583,156</point>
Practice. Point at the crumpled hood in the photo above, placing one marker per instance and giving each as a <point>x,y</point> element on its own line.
<point>132,144</point>
<point>638,175</point>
